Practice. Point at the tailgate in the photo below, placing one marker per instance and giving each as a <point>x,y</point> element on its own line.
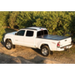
<point>65,42</point>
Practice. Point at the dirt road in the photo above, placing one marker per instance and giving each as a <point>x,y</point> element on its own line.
<point>27,55</point>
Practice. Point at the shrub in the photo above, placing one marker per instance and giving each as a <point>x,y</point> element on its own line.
<point>25,20</point>
<point>12,19</point>
<point>63,24</point>
<point>2,30</point>
<point>59,23</point>
<point>4,18</point>
<point>56,24</point>
<point>72,23</point>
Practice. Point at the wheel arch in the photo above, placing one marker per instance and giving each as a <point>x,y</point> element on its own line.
<point>8,39</point>
<point>43,45</point>
<point>46,45</point>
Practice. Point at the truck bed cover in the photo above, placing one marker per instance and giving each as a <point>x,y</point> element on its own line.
<point>54,37</point>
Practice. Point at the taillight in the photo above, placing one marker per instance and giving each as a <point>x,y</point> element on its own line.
<point>41,29</point>
<point>58,44</point>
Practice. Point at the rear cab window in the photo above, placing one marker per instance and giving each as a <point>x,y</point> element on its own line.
<point>42,33</point>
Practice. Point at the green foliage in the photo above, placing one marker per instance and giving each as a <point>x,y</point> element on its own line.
<point>59,23</point>
<point>12,19</point>
<point>43,11</point>
<point>72,24</point>
<point>62,23</point>
<point>55,22</point>
<point>24,19</point>
<point>2,31</point>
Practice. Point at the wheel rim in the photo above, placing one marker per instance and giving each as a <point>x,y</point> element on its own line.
<point>44,51</point>
<point>8,45</point>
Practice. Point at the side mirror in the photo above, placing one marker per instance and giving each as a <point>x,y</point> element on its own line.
<point>15,33</point>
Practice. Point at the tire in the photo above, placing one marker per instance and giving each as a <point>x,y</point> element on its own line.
<point>8,44</point>
<point>45,50</point>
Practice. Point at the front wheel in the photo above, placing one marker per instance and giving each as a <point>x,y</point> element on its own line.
<point>8,44</point>
<point>45,50</point>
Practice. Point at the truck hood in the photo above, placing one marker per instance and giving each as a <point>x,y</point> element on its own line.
<point>12,33</point>
<point>54,37</point>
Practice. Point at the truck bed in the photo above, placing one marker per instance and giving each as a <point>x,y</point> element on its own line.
<point>54,37</point>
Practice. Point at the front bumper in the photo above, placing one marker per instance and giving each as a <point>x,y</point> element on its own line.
<point>64,47</point>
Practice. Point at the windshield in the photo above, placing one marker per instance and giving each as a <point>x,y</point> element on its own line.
<point>41,33</point>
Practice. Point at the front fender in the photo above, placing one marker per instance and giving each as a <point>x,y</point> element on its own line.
<point>9,39</point>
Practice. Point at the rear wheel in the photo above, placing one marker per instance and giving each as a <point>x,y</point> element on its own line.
<point>45,50</point>
<point>8,44</point>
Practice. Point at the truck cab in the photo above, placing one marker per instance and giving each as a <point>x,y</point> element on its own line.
<point>27,36</point>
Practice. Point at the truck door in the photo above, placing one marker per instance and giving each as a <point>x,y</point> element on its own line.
<point>29,39</point>
<point>19,37</point>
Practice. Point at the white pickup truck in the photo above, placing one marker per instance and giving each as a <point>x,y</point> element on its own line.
<point>37,37</point>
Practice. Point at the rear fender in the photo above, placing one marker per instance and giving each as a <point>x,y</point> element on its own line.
<point>44,43</point>
<point>52,45</point>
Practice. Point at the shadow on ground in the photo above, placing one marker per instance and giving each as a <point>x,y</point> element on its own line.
<point>7,59</point>
<point>37,50</point>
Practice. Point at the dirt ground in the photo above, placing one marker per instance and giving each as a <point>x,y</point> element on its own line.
<point>24,55</point>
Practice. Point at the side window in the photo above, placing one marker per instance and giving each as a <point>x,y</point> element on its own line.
<point>40,33</point>
<point>45,32</point>
<point>21,32</point>
<point>29,33</point>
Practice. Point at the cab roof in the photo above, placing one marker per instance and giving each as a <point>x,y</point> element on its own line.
<point>36,28</point>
